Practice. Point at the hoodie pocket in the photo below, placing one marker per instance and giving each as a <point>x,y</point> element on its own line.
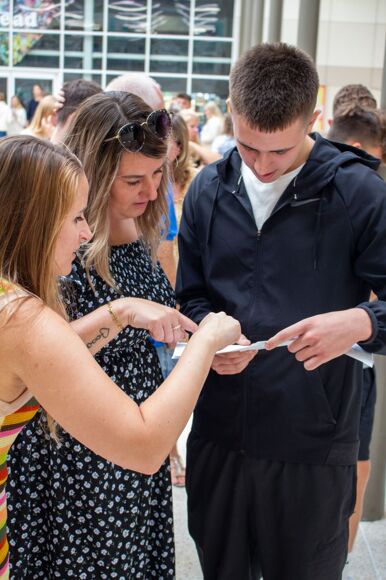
<point>304,409</point>
<point>318,398</point>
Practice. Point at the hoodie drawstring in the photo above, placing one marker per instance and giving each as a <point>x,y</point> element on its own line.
<point>213,208</point>
<point>211,216</point>
<point>317,235</point>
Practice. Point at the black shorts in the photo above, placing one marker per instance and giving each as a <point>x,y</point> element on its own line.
<point>251,517</point>
<point>369,395</point>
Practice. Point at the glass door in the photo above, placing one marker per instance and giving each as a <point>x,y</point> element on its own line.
<point>22,85</point>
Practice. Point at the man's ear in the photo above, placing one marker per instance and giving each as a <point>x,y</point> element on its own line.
<point>229,105</point>
<point>315,115</point>
<point>356,144</point>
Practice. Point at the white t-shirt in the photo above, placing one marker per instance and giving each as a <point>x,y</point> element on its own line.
<point>264,196</point>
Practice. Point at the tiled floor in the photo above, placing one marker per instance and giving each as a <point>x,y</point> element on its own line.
<point>368,560</point>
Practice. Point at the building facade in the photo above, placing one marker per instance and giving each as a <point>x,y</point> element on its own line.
<point>186,45</point>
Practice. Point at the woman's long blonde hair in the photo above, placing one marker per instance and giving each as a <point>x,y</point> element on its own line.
<point>38,185</point>
<point>97,120</point>
<point>43,112</point>
<point>182,170</point>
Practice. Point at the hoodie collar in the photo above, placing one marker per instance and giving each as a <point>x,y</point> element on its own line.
<point>320,168</point>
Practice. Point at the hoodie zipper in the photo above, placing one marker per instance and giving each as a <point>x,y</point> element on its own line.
<point>246,389</point>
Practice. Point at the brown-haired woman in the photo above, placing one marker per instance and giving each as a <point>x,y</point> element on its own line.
<point>182,170</point>
<point>123,145</point>
<point>43,195</point>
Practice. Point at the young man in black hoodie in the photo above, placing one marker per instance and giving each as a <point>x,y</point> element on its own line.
<point>287,234</point>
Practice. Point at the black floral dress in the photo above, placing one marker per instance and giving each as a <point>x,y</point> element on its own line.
<point>71,513</point>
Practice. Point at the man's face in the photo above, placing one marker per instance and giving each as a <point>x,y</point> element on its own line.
<point>270,155</point>
<point>183,103</point>
<point>37,92</point>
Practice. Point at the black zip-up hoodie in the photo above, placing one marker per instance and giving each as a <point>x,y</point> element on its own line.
<point>322,249</point>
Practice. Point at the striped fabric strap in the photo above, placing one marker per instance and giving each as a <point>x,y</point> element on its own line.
<point>5,286</point>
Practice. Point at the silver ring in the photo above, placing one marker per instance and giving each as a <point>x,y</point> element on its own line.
<point>176,327</point>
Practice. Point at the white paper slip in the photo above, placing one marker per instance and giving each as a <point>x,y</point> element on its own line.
<point>364,357</point>
<point>355,351</point>
<point>260,345</point>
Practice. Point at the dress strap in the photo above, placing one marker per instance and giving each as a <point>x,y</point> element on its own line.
<point>5,287</point>
<point>9,292</point>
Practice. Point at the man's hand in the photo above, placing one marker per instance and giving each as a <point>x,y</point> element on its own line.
<point>233,363</point>
<point>321,338</point>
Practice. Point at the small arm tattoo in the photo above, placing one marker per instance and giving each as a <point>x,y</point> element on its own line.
<point>103,333</point>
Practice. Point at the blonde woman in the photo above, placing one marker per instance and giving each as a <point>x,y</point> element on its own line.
<point>18,119</point>
<point>182,170</point>
<point>200,154</point>
<point>41,125</point>
<point>214,124</point>
<point>42,224</point>
<point>122,144</point>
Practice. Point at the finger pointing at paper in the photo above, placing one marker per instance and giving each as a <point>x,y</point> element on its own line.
<point>320,338</point>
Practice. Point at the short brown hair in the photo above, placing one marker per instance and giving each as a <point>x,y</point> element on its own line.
<point>272,85</point>
<point>357,124</point>
<point>75,92</point>
<point>353,94</point>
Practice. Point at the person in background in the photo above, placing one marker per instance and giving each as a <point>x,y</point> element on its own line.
<point>353,94</point>
<point>226,141</point>
<point>214,125</point>
<point>360,128</point>
<point>181,168</point>
<point>360,96</point>
<point>183,101</point>
<point>18,120</point>
<point>73,93</point>
<point>192,121</point>
<point>42,125</point>
<point>42,359</point>
<point>37,96</point>
<point>5,116</point>
<point>139,84</point>
<point>199,154</point>
<point>181,172</point>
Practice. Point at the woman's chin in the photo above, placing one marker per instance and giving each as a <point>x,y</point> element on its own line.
<point>65,269</point>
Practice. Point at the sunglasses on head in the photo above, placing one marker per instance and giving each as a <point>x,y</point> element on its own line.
<point>132,135</point>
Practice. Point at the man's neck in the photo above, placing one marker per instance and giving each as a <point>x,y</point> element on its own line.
<point>304,153</point>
